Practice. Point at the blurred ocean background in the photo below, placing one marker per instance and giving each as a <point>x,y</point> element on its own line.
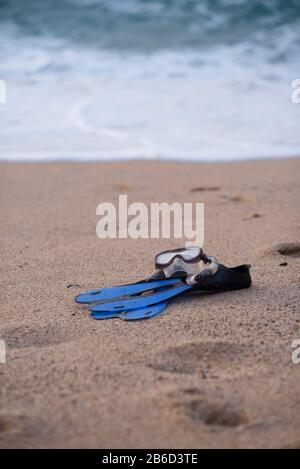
<point>169,79</point>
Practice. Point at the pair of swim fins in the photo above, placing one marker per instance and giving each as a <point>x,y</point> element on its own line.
<point>149,298</point>
<point>141,300</point>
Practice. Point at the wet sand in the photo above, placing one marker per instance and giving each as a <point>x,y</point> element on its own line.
<point>213,371</point>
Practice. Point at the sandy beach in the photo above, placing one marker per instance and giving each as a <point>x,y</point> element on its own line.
<point>213,371</point>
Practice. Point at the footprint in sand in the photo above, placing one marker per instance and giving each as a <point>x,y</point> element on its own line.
<point>12,423</point>
<point>235,198</point>
<point>214,408</point>
<point>18,430</point>
<point>253,215</point>
<point>123,187</point>
<point>39,336</point>
<point>199,356</point>
<point>287,249</point>
<point>205,189</point>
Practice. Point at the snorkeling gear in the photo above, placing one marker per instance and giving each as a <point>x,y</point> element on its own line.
<point>186,262</point>
<point>132,314</point>
<point>141,301</point>
<point>123,291</point>
<point>178,271</point>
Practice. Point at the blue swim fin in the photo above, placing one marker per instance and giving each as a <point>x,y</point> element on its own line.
<point>124,291</point>
<point>132,315</point>
<point>142,301</point>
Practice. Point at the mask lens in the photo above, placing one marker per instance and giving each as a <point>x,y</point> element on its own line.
<point>187,255</point>
<point>191,253</point>
<point>165,257</point>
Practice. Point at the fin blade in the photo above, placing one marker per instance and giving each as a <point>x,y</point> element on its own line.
<point>123,290</point>
<point>132,315</point>
<point>142,301</point>
<point>145,313</point>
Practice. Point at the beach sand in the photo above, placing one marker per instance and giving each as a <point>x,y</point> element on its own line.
<point>214,371</point>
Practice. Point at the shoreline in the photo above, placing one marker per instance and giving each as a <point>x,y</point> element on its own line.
<point>181,159</point>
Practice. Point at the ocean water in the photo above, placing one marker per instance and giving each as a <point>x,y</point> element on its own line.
<point>166,79</point>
